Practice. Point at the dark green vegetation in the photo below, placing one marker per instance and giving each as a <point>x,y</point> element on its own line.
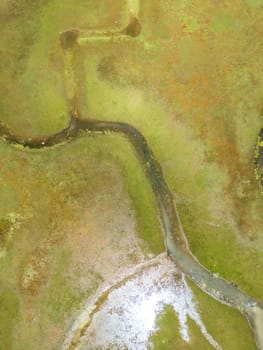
<point>201,116</point>
<point>167,337</point>
<point>228,325</point>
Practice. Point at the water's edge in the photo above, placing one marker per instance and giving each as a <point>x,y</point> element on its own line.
<point>176,244</point>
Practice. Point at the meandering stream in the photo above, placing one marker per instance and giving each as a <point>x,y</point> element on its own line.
<point>175,240</point>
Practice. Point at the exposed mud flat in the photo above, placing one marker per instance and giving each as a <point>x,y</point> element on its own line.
<point>124,315</point>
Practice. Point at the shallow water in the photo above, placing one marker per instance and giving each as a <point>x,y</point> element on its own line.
<point>127,317</point>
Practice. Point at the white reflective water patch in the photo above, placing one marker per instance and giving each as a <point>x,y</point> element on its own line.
<point>127,317</point>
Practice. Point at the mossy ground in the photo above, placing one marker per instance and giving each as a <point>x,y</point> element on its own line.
<point>167,336</point>
<point>228,326</point>
<point>192,84</point>
<point>61,197</point>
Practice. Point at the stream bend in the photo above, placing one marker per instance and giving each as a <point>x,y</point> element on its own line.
<point>175,240</point>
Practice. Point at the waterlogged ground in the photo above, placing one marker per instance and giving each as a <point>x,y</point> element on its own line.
<point>76,218</point>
